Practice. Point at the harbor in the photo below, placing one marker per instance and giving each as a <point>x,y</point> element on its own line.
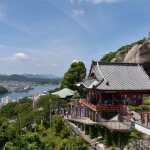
<point>36,89</point>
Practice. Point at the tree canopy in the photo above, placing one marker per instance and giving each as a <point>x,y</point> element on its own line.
<point>25,127</point>
<point>75,73</point>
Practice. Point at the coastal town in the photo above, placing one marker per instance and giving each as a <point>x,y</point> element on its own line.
<point>34,98</point>
<point>20,87</point>
<point>17,86</point>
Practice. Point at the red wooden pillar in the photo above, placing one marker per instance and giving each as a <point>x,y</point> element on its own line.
<point>90,95</point>
<point>96,95</point>
<point>101,98</point>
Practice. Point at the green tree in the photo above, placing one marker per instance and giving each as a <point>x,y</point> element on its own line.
<point>64,143</point>
<point>9,110</point>
<point>65,133</point>
<point>7,133</point>
<point>76,143</point>
<point>58,124</point>
<point>75,73</point>
<point>25,116</point>
<point>25,100</point>
<point>44,102</point>
<point>10,146</point>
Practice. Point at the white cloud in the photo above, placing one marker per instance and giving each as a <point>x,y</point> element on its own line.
<point>72,1</point>
<point>5,19</point>
<point>77,12</point>
<point>100,1</point>
<point>2,47</point>
<point>2,15</point>
<point>81,23</point>
<point>18,56</point>
<point>38,65</point>
<point>2,12</point>
<point>75,61</point>
<point>55,65</point>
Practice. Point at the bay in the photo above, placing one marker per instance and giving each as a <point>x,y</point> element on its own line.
<point>37,89</point>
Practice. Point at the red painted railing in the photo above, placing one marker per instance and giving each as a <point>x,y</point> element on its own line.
<point>101,107</point>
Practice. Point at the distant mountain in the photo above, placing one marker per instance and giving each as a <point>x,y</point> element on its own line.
<point>23,78</point>
<point>43,76</point>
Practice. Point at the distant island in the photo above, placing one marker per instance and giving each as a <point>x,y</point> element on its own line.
<point>3,90</point>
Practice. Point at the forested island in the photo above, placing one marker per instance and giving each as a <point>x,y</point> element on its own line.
<point>3,90</point>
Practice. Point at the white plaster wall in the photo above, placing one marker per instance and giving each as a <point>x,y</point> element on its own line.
<point>142,129</point>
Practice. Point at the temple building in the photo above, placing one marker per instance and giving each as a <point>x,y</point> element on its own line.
<point>112,86</point>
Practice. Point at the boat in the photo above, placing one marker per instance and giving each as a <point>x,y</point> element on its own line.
<point>28,88</point>
<point>25,89</point>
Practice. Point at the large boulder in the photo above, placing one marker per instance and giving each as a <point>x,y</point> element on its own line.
<point>114,60</point>
<point>121,55</point>
<point>139,53</point>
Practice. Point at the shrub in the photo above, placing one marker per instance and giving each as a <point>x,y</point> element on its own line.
<point>134,135</point>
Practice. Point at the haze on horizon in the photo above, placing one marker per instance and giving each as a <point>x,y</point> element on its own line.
<point>46,36</point>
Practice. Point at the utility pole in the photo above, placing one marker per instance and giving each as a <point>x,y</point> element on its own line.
<point>71,137</point>
<point>50,118</point>
<point>19,119</point>
<point>19,122</point>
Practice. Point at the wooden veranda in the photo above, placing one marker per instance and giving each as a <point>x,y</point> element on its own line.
<point>100,107</point>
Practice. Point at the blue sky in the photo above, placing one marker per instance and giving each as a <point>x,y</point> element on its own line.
<point>46,36</point>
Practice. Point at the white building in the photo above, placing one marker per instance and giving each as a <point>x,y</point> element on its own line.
<point>6,100</point>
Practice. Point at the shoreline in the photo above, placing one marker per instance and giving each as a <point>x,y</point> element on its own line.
<point>37,89</point>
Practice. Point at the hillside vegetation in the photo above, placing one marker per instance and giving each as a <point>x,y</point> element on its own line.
<point>15,77</point>
<point>108,57</point>
<point>24,127</point>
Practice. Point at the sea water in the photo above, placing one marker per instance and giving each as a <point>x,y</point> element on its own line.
<point>37,89</point>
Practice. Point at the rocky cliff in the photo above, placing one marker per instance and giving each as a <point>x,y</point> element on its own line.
<point>138,52</point>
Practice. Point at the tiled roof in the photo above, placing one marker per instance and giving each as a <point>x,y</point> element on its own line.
<point>89,83</point>
<point>118,76</point>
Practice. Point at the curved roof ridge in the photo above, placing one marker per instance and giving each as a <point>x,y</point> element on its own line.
<point>100,71</point>
<point>115,63</point>
<point>145,74</point>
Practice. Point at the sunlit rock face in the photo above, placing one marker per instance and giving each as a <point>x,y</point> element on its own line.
<point>121,55</point>
<point>139,53</point>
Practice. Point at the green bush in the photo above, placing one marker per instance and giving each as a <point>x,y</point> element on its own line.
<point>145,107</point>
<point>92,131</point>
<point>134,135</point>
<point>147,101</point>
<point>107,138</point>
<point>134,108</point>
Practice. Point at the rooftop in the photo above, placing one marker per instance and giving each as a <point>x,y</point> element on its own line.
<point>117,76</point>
